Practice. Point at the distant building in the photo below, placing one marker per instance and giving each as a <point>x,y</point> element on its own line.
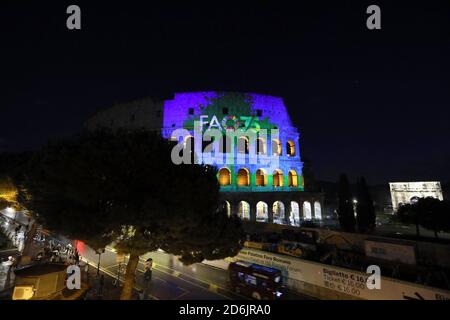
<point>408,192</point>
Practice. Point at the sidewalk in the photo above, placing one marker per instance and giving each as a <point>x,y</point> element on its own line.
<point>108,291</point>
<point>14,224</point>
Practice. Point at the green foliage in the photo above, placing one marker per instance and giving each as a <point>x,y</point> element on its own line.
<point>122,187</point>
<point>345,210</point>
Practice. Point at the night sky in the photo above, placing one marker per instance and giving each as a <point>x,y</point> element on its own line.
<point>367,103</point>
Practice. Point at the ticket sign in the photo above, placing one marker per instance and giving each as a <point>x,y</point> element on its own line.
<point>342,280</point>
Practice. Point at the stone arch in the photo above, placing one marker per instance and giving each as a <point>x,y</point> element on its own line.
<point>277,178</point>
<point>225,144</point>
<point>243,145</point>
<point>244,210</point>
<point>224,176</point>
<point>278,212</point>
<point>260,146</point>
<point>261,178</point>
<point>276,147</point>
<point>292,179</point>
<point>307,212</point>
<point>262,212</point>
<point>294,214</point>
<point>243,177</point>
<point>317,210</point>
<point>290,148</point>
<point>226,207</point>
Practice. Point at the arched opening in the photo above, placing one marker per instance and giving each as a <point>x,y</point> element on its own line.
<point>224,177</point>
<point>317,210</point>
<point>414,199</point>
<point>225,144</point>
<point>243,177</point>
<point>292,179</point>
<point>307,210</point>
<point>278,212</point>
<point>226,207</point>
<point>260,146</point>
<point>276,147</point>
<point>277,178</point>
<point>290,148</point>
<point>243,145</point>
<point>261,178</point>
<point>262,212</point>
<point>244,210</point>
<point>295,214</point>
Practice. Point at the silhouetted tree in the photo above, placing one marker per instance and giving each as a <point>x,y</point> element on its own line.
<point>308,176</point>
<point>408,214</point>
<point>430,213</point>
<point>365,210</point>
<point>433,214</point>
<point>122,188</point>
<point>345,210</point>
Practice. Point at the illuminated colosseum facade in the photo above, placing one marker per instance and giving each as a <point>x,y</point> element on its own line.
<point>252,142</point>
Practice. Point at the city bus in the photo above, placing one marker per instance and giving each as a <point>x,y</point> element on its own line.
<point>255,281</point>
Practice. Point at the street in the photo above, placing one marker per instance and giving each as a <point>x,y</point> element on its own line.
<point>171,280</point>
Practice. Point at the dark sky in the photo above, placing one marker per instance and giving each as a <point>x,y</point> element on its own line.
<point>371,103</point>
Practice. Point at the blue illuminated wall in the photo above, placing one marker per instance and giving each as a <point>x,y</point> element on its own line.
<point>232,110</point>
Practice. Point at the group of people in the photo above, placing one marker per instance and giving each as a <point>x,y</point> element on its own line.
<point>56,252</point>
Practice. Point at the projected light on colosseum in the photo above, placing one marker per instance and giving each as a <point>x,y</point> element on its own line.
<point>254,143</point>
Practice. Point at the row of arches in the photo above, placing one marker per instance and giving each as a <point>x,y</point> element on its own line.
<point>261,178</point>
<point>278,214</point>
<point>243,145</point>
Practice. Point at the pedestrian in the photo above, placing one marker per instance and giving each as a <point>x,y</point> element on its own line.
<point>147,277</point>
<point>10,263</point>
<point>77,257</point>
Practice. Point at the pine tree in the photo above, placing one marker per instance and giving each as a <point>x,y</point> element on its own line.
<point>365,210</point>
<point>345,211</point>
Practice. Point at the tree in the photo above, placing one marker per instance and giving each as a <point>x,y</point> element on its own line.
<point>308,176</point>
<point>365,210</point>
<point>430,213</point>
<point>345,210</point>
<point>433,214</point>
<point>11,166</point>
<point>122,188</point>
<point>406,213</point>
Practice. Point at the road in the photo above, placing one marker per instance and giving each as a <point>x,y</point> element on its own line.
<point>171,280</point>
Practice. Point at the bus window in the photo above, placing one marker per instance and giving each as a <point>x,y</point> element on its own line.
<point>249,279</point>
<point>241,276</point>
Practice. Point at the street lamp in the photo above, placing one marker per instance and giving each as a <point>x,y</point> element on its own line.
<point>99,252</point>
